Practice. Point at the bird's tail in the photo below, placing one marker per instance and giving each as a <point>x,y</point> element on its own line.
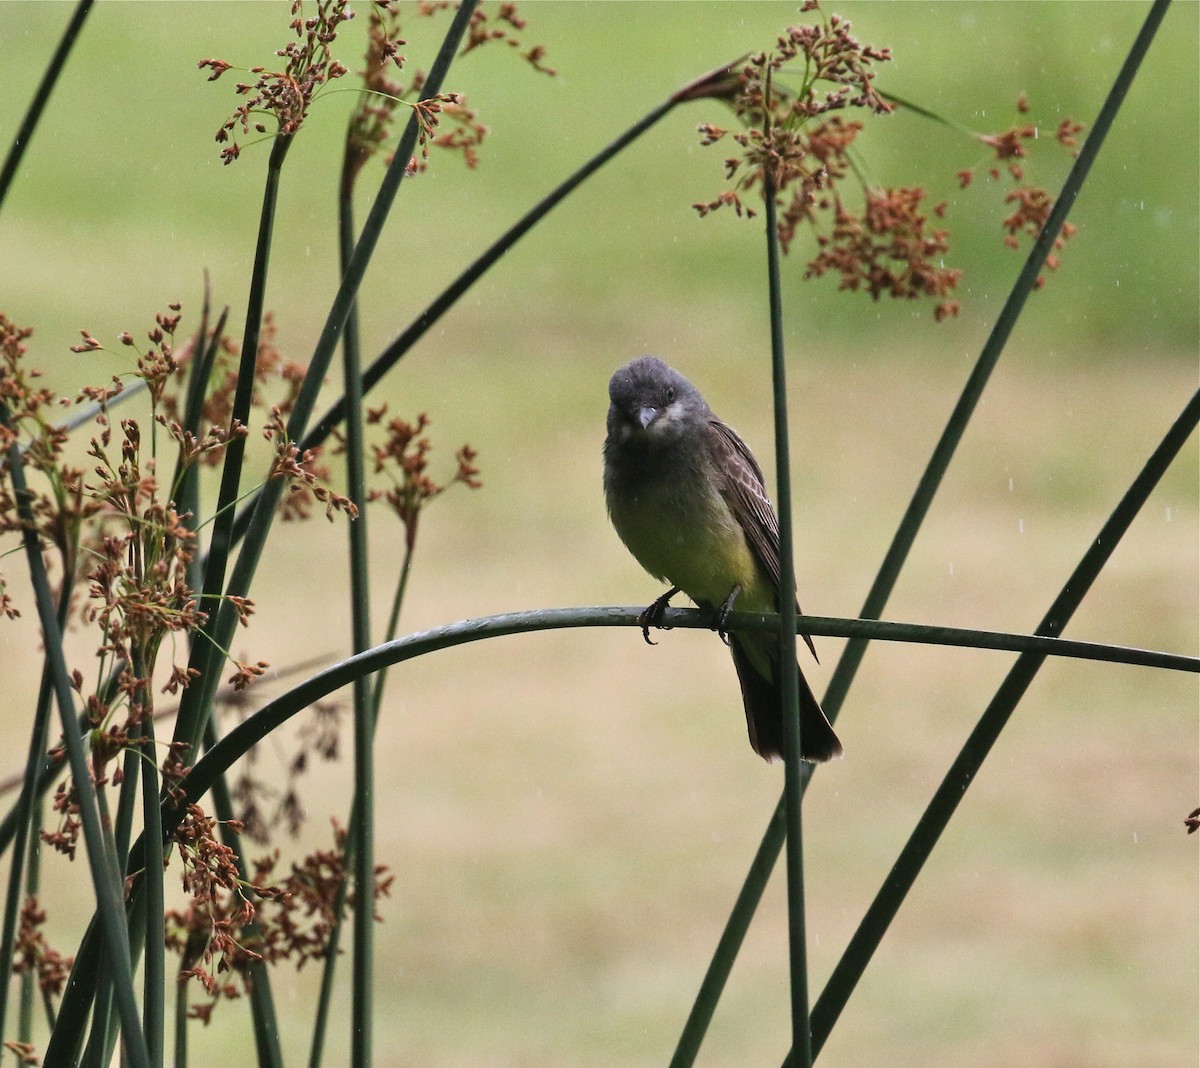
<point>762,696</point>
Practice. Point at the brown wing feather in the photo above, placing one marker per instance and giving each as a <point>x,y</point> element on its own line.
<point>745,491</point>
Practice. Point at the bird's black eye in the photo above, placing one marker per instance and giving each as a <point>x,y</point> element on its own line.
<point>669,395</point>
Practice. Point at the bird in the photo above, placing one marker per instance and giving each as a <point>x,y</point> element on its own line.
<point>687,498</point>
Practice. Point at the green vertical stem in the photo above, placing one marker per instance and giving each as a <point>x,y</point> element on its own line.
<point>155,965</point>
<point>329,964</point>
<point>206,654</point>
<point>33,875</point>
<point>128,797</point>
<point>181,1022</point>
<point>362,829</point>
<point>195,713</point>
<point>793,777</point>
<point>393,624</point>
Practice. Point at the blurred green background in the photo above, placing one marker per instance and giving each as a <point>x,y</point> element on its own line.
<point>569,816</point>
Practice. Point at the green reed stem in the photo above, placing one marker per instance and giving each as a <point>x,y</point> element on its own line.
<point>40,98</point>
<point>362,829</point>
<point>792,762</point>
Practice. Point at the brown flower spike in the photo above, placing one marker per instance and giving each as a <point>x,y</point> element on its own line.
<point>797,144</point>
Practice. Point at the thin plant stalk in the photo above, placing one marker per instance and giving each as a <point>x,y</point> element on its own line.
<point>195,716</point>
<point>41,97</point>
<point>793,763</point>
<point>362,829</point>
<point>155,964</point>
<point>206,653</point>
<point>33,877</point>
<point>181,1022</point>
<point>329,964</point>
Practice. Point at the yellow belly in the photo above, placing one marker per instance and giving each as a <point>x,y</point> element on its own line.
<point>696,545</point>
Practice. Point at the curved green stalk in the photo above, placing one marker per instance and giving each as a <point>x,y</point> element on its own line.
<point>279,710</point>
<point>252,730</point>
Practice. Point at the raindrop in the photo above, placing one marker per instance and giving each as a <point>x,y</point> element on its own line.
<point>1135,838</point>
<point>1168,511</point>
<point>951,567</point>
<point>1010,485</point>
<point>1020,526</point>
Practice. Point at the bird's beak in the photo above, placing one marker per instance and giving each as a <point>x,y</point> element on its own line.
<point>645,416</point>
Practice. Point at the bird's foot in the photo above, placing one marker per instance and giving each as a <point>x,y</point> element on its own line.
<point>722,615</point>
<point>651,615</point>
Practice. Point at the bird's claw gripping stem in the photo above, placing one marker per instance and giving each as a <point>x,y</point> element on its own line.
<point>651,615</point>
<point>722,616</point>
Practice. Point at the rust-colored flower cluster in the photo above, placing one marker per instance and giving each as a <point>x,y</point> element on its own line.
<point>795,147</point>
<point>889,250</point>
<point>285,94</point>
<point>403,457</point>
<point>30,431</point>
<point>116,529</point>
<point>503,27</point>
<point>781,146</point>
<point>32,954</point>
<point>1030,204</point>
<point>797,144</point>
<point>371,122</point>
<point>292,916</point>
<point>445,120</point>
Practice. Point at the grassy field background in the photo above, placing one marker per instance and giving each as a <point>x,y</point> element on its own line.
<point>569,816</point>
